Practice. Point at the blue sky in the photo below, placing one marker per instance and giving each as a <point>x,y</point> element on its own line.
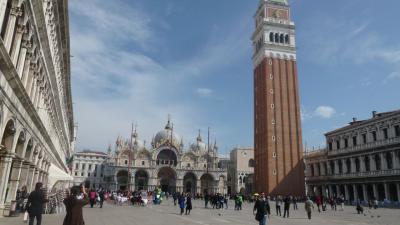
<point>138,61</point>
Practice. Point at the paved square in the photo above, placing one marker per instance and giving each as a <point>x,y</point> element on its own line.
<point>168,214</point>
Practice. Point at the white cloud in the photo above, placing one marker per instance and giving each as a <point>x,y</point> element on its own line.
<point>394,75</point>
<point>114,86</point>
<point>325,112</point>
<point>204,91</point>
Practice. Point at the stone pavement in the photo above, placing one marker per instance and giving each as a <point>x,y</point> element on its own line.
<point>168,214</point>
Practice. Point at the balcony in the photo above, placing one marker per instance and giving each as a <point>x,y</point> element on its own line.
<point>369,174</point>
<point>367,146</point>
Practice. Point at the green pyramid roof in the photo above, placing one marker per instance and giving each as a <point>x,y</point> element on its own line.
<point>283,2</point>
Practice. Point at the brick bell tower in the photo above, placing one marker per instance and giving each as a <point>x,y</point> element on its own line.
<point>278,151</point>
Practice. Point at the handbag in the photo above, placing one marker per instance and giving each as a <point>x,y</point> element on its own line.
<point>26,216</point>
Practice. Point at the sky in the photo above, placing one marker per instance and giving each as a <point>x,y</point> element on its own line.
<point>138,61</point>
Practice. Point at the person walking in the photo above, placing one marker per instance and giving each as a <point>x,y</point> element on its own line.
<point>101,196</point>
<point>188,204</point>
<point>318,201</point>
<point>295,203</point>
<point>226,199</point>
<point>181,202</point>
<point>278,203</point>
<point>260,210</point>
<point>92,197</point>
<point>35,204</point>
<point>73,204</point>
<point>286,206</point>
<point>174,196</point>
<point>308,205</point>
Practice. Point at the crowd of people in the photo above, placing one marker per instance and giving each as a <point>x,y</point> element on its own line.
<point>78,197</point>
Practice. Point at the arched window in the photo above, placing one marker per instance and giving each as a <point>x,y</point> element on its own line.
<point>252,163</point>
<point>281,39</point>
<point>271,37</point>
<point>276,37</point>
<point>287,40</point>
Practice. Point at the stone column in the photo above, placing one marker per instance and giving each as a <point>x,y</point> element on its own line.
<point>13,182</point>
<point>338,191</point>
<point>31,178</point>
<point>24,61</point>
<point>355,192</point>
<point>198,186</point>
<point>387,195</point>
<point>330,190</point>
<point>346,192</point>
<point>375,190</point>
<point>23,181</point>
<point>3,7</point>
<point>365,193</point>
<point>35,178</point>
<point>372,163</point>
<point>344,166</point>
<point>362,163</point>
<point>5,169</point>
<point>396,163</point>
<point>322,168</point>
<point>383,161</point>
<point>398,191</point>
<point>336,167</point>
<point>16,46</point>
<point>353,165</point>
<point>15,12</point>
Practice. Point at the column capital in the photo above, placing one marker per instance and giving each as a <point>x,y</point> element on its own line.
<point>16,11</point>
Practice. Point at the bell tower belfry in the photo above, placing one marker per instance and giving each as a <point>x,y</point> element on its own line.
<point>278,150</point>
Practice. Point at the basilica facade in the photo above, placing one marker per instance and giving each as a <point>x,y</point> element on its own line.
<point>166,165</point>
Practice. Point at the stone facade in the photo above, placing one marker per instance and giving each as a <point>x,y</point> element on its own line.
<point>166,165</point>
<point>241,171</point>
<point>361,161</point>
<point>277,126</point>
<point>89,168</point>
<point>36,119</point>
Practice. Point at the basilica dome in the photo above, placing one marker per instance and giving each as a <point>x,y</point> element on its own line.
<point>199,146</point>
<point>167,135</point>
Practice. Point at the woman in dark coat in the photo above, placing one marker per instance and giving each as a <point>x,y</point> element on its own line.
<point>74,204</point>
<point>188,204</point>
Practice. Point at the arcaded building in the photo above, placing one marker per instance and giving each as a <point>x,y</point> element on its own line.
<point>36,119</point>
<point>165,164</point>
<point>278,152</point>
<point>361,161</point>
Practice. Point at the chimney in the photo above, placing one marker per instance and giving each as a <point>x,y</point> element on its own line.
<point>373,114</point>
<point>354,119</point>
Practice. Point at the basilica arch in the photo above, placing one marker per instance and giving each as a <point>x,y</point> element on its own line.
<point>122,179</point>
<point>167,156</point>
<point>207,183</point>
<point>190,183</point>
<point>166,177</point>
<point>141,180</point>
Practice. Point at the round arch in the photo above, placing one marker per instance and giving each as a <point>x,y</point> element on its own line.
<point>167,156</point>
<point>122,179</point>
<point>190,183</point>
<point>141,180</point>
<point>207,183</point>
<point>8,135</point>
<point>167,179</point>
<point>19,149</point>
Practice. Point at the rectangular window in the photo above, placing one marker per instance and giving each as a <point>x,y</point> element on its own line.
<point>76,173</point>
<point>83,166</point>
<point>142,163</point>
<point>81,174</point>
<point>385,133</point>
<point>88,174</point>
<point>374,135</point>
<point>330,146</point>
<point>90,166</point>
<point>364,137</point>
<point>354,140</point>
<point>397,130</point>
<point>346,143</point>
<point>126,162</point>
<point>337,144</point>
<point>76,166</point>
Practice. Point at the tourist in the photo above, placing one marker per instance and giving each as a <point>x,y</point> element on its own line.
<point>206,199</point>
<point>308,205</point>
<point>267,202</point>
<point>318,201</point>
<point>286,206</point>
<point>341,201</point>
<point>359,207</point>
<point>101,197</point>
<point>73,204</point>
<point>260,210</point>
<point>174,196</point>
<point>181,202</point>
<point>295,203</point>
<point>278,203</point>
<point>240,202</point>
<point>375,203</point>
<point>188,204</point>
<point>35,204</point>
<point>226,199</point>
<point>92,197</point>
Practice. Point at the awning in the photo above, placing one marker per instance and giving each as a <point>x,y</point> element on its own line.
<point>57,175</point>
